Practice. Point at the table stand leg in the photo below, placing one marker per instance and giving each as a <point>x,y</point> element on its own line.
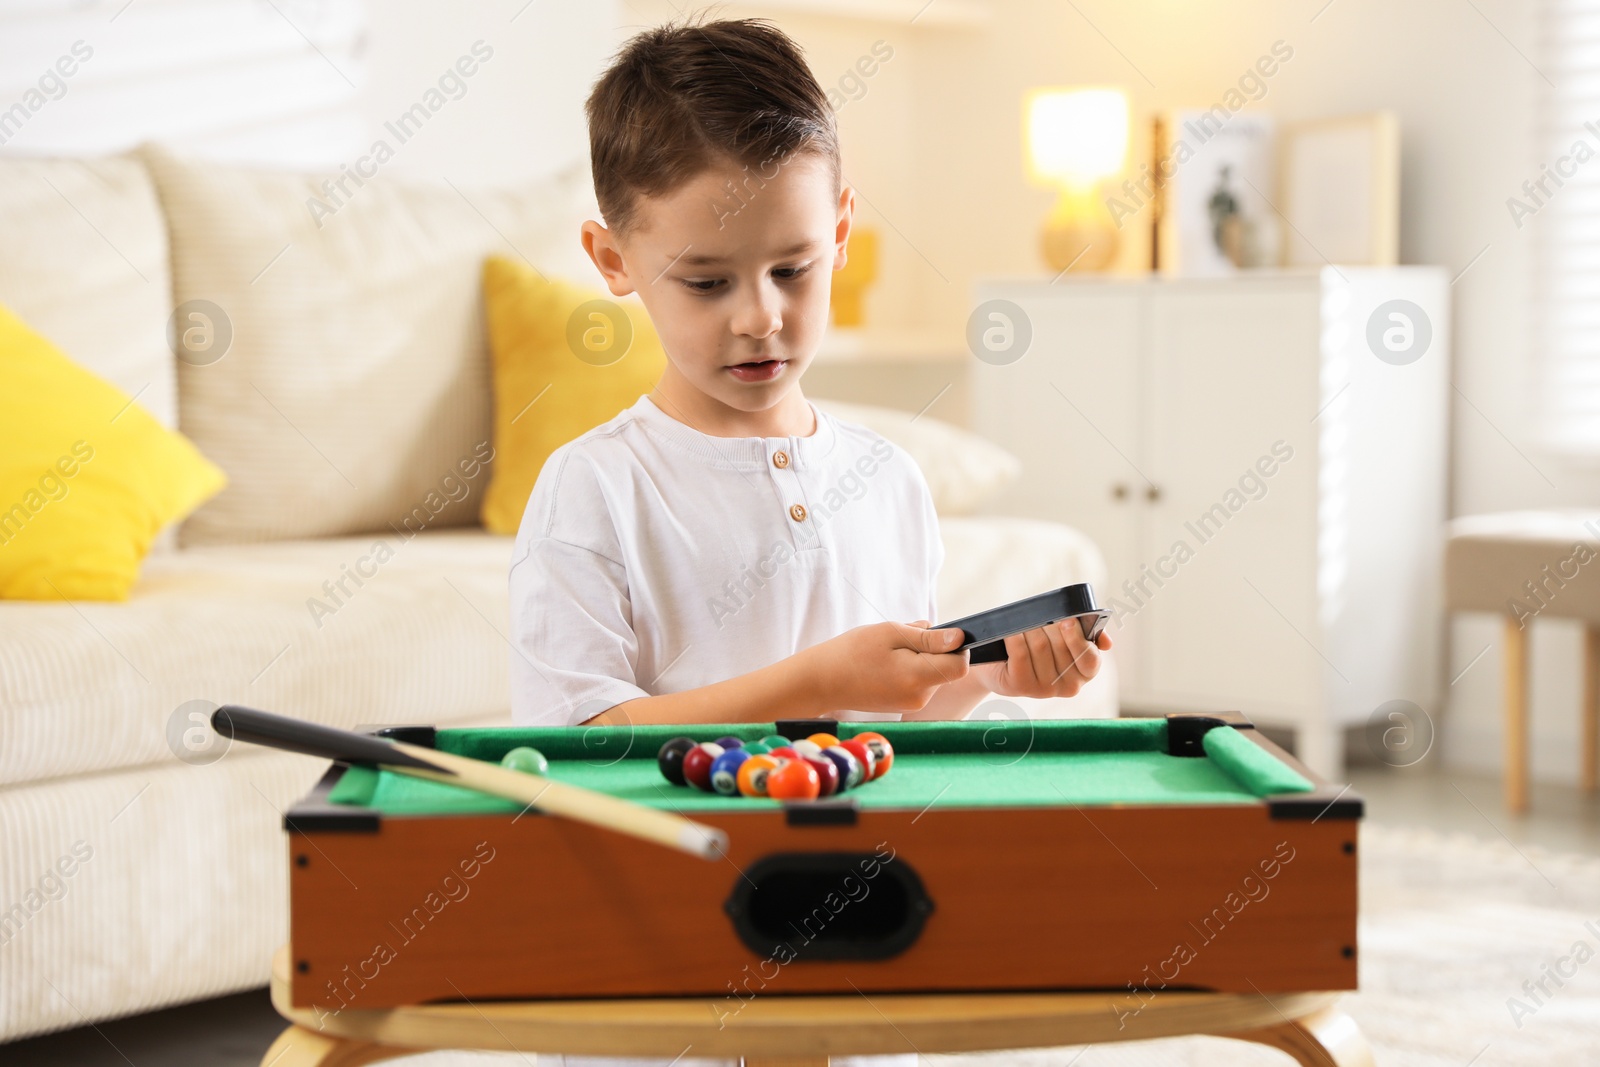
<point>299,1047</point>
<point>1589,778</point>
<point>1516,698</point>
<point>1328,1038</point>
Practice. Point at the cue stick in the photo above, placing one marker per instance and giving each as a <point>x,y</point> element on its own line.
<point>550,796</point>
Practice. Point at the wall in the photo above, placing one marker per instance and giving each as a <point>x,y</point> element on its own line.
<point>934,146</point>
<point>310,83</point>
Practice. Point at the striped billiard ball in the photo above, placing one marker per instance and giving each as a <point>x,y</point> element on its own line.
<point>753,775</point>
<point>882,752</point>
<point>850,773</point>
<point>725,772</point>
<point>697,764</point>
<point>828,779</point>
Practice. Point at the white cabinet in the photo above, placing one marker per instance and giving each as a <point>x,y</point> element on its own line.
<point>1262,461</point>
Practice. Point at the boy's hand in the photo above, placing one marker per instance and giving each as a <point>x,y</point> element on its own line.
<point>1052,661</point>
<point>887,666</point>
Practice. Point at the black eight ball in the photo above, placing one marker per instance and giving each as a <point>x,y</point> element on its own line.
<point>670,758</point>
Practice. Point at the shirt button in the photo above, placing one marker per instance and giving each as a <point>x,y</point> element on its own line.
<point>780,459</point>
<point>798,513</point>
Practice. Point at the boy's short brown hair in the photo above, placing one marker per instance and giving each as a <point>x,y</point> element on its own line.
<point>678,99</point>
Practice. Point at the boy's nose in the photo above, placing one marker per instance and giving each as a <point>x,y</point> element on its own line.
<point>758,314</point>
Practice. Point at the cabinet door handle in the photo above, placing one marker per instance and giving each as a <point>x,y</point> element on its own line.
<point>1119,491</point>
<point>1152,493</point>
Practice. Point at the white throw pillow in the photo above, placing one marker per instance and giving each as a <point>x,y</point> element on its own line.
<point>355,393</point>
<point>83,261</point>
<point>962,469</point>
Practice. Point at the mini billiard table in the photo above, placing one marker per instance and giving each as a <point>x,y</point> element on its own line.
<point>1185,852</point>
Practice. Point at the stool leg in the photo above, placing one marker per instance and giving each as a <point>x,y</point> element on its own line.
<point>299,1047</point>
<point>1328,1038</point>
<point>1516,701</point>
<point>1589,777</point>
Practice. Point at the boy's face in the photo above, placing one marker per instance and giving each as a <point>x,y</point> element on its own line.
<point>735,278</point>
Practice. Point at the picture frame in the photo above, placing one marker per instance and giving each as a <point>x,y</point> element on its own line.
<point>1217,178</point>
<point>1339,184</point>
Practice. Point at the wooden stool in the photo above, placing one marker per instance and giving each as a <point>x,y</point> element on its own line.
<point>803,1031</point>
<point>1522,565</point>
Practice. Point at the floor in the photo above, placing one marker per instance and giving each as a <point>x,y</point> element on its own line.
<point>235,1031</point>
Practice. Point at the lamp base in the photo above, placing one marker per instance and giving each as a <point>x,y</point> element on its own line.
<point>1078,244</point>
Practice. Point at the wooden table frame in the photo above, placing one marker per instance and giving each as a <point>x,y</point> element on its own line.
<point>803,1031</point>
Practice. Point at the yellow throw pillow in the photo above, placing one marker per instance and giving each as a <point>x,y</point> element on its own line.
<point>87,476</point>
<point>566,359</point>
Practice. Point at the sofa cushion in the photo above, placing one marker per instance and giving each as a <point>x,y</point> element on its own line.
<point>342,631</point>
<point>357,376</point>
<point>530,338</point>
<point>84,262</point>
<point>90,477</point>
<point>962,469</point>
<point>1524,563</point>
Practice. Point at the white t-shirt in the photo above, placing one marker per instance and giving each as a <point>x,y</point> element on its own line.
<point>653,558</point>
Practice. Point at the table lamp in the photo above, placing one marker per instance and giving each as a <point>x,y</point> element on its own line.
<point>1076,138</point>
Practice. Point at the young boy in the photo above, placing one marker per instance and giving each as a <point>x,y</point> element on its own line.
<point>723,551</point>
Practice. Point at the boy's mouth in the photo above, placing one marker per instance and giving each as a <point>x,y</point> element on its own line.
<point>759,371</point>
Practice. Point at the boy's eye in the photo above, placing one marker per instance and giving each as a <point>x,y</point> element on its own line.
<point>783,274</point>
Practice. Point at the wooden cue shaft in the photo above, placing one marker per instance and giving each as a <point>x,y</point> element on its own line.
<point>570,801</point>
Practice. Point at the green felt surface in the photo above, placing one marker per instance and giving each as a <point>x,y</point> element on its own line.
<point>954,764</point>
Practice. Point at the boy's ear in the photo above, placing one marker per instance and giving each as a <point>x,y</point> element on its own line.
<point>603,249</point>
<point>841,233</point>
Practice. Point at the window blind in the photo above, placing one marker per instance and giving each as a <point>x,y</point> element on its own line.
<point>1561,204</point>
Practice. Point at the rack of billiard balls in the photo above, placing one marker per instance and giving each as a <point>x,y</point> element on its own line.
<point>817,766</point>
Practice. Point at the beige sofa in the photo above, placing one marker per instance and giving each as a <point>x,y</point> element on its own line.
<point>136,872</point>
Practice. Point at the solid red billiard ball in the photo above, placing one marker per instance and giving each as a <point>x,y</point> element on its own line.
<point>882,752</point>
<point>795,780</point>
<point>827,775</point>
<point>697,764</point>
<point>863,756</point>
<point>785,752</point>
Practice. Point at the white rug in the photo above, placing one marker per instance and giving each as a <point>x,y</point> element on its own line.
<point>1451,928</point>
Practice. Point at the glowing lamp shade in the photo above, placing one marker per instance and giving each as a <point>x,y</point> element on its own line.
<point>1075,139</point>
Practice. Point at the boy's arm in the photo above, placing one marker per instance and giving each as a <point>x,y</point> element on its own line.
<point>781,690</point>
<point>886,666</point>
<point>954,700</point>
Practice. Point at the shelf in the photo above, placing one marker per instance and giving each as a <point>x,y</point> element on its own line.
<point>882,345</point>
